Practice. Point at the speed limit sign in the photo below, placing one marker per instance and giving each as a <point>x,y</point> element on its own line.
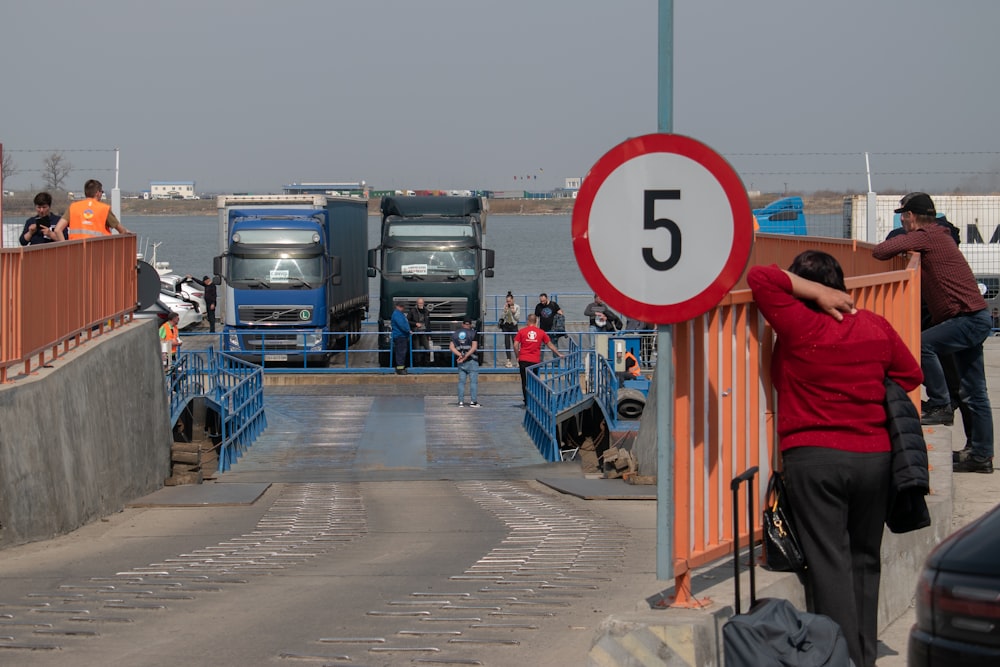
<point>662,228</point>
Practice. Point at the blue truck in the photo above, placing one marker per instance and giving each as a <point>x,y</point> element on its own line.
<point>782,216</point>
<point>293,275</point>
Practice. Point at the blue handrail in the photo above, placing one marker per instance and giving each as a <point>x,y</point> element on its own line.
<point>563,384</point>
<point>235,388</point>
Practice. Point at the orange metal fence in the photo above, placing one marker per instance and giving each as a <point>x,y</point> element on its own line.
<point>55,296</point>
<point>724,412</point>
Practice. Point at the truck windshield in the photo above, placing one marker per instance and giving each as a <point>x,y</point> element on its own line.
<point>461,262</point>
<point>276,272</point>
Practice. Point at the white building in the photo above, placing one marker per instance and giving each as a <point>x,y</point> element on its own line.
<point>171,190</point>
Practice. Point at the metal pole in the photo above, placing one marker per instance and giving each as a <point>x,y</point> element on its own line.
<point>665,332</point>
<point>871,220</point>
<point>116,193</point>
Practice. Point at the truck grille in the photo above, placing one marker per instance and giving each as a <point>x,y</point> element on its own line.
<point>272,342</point>
<point>440,309</point>
<point>275,315</point>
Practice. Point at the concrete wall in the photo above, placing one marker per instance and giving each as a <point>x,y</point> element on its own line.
<point>80,440</point>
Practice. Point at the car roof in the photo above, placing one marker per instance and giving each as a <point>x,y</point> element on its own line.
<point>973,549</point>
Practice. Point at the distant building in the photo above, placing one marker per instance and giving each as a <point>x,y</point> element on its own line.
<point>569,190</point>
<point>171,190</point>
<point>359,189</point>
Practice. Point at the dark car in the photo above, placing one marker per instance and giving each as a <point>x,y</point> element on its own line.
<point>958,600</point>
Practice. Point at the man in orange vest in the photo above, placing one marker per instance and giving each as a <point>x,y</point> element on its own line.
<point>632,365</point>
<point>89,218</point>
<point>170,339</point>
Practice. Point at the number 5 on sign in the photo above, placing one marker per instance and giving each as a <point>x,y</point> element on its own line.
<point>662,228</point>
<point>650,221</point>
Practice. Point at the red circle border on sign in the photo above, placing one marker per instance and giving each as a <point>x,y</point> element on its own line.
<point>739,204</point>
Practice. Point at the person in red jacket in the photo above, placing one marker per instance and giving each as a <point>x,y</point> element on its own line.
<point>829,368</point>
<point>528,348</point>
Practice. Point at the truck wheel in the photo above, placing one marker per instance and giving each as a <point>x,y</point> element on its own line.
<point>357,322</point>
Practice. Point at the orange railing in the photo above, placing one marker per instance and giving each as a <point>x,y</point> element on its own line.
<point>53,297</point>
<point>723,403</point>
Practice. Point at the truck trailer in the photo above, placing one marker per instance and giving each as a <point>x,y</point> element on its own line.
<point>292,273</point>
<point>432,248</point>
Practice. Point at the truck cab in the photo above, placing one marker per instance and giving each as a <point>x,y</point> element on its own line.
<point>281,296</point>
<point>782,216</point>
<point>432,248</point>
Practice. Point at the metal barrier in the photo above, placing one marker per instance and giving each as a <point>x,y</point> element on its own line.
<point>724,409</point>
<point>57,296</point>
<point>362,356</point>
<point>233,387</point>
<point>562,386</point>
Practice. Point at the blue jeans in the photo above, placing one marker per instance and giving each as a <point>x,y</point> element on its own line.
<point>468,369</point>
<point>961,336</point>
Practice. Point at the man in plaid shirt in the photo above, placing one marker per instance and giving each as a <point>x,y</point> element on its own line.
<point>960,324</point>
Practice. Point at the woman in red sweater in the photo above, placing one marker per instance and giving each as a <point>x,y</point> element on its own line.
<point>829,367</point>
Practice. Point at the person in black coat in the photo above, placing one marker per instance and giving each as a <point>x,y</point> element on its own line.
<point>211,297</point>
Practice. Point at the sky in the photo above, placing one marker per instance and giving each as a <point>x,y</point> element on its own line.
<point>467,94</point>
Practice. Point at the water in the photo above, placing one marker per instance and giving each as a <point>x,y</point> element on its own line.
<point>534,253</point>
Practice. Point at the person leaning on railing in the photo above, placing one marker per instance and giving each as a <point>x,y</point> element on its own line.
<point>960,323</point>
<point>90,217</point>
<point>829,368</point>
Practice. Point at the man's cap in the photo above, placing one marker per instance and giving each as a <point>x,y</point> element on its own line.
<point>919,203</point>
<point>466,321</point>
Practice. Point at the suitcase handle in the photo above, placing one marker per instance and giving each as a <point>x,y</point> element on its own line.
<point>747,476</point>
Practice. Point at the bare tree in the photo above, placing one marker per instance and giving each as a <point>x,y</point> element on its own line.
<point>7,168</point>
<point>55,169</point>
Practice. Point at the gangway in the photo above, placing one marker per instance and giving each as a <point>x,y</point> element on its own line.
<point>233,388</point>
<point>563,387</point>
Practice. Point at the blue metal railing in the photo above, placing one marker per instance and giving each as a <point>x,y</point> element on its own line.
<point>561,385</point>
<point>235,388</point>
<point>363,356</point>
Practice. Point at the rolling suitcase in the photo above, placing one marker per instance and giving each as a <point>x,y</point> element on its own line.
<point>772,632</point>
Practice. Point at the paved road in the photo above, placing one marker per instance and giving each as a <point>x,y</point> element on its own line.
<point>357,552</point>
<point>366,546</point>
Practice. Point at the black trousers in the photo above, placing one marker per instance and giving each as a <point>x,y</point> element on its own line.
<point>839,501</point>
<point>522,366</point>
<point>421,349</point>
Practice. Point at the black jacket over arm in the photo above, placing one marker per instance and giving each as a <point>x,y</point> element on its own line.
<point>910,476</point>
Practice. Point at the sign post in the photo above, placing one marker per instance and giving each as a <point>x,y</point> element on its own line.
<point>662,230</point>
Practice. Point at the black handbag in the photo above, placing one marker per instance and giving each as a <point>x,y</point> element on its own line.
<point>782,551</point>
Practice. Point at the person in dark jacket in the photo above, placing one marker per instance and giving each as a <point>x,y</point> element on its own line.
<point>211,298</point>
<point>420,318</point>
<point>41,227</point>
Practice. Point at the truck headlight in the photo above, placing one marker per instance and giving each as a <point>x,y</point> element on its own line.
<point>312,341</point>
<point>234,341</point>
